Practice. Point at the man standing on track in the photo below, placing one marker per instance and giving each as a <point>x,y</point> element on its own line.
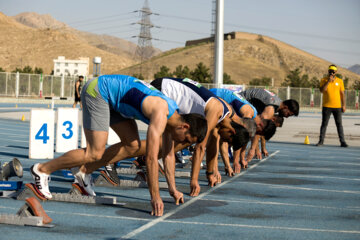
<point>332,89</point>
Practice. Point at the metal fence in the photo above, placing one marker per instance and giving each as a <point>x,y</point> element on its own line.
<point>38,85</point>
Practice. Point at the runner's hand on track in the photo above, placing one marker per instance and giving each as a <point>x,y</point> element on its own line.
<point>194,188</point>
<point>178,197</point>
<point>157,207</point>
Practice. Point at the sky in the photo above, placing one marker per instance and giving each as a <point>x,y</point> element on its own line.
<point>329,29</point>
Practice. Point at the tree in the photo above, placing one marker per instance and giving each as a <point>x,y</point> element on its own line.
<point>2,70</point>
<point>201,73</point>
<point>227,79</point>
<point>138,76</point>
<point>294,79</point>
<point>356,85</point>
<point>315,83</point>
<point>346,82</point>
<point>38,70</point>
<point>27,69</point>
<point>164,72</point>
<point>17,70</point>
<point>264,81</point>
<point>182,72</point>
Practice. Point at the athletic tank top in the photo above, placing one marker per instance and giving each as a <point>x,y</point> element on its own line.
<point>79,87</point>
<point>234,99</point>
<point>189,95</point>
<point>260,98</point>
<point>125,94</point>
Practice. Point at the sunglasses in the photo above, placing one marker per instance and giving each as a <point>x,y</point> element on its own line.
<point>331,71</point>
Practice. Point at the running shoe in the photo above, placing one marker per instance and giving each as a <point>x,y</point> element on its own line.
<point>139,163</point>
<point>41,181</point>
<point>85,181</point>
<point>111,175</point>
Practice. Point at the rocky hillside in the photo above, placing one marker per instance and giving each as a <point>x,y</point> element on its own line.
<point>246,57</point>
<point>107,43</point>
<point>21,45</point>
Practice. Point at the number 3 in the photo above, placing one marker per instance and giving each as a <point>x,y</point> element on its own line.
<point>68,129</point>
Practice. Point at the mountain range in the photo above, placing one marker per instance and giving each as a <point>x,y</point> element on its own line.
<point>35,40</point>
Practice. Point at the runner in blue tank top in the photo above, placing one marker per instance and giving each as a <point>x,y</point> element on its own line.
<point>116,101</point>
<point>242,107</point>
<point>125,95</point>
<point>223,123</point>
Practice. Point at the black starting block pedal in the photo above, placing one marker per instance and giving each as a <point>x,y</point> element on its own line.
<point>30,214</point>
<point>76,195</point>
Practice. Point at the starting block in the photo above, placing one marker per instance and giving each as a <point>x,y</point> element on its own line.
<point>133,171</point>
<point>30,214</point>
<point>9,189</point>
<point>75,196</point>
<point>138,182</point>
<point>67,174</point>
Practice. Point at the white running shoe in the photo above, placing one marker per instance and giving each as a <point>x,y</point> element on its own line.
<point>85,181</point>
<point>41,180</point>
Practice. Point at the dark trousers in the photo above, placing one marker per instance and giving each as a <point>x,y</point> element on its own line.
<point>326,112</point>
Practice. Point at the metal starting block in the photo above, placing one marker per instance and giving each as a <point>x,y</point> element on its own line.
<point>138,182</point>
<point>30,214</point>
<point>67,174</point>
<point>9,189</point>
<point>133,171</point>
<point>74,196</point>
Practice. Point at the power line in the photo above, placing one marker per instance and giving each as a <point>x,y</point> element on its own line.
<point>101,18</point>
<point>295,33</point>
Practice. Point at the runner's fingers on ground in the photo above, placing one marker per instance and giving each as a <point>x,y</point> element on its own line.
<point>194,189</point>
<point>212,180</point>
<point>265,153</point>
<point>178,197</point>
<point>237,168</point>
<point>218,177</point>
<point>158,207</point>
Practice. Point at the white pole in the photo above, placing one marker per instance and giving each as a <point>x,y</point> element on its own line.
<point>219,43</point>
<point>62,86</point>
<point>17,85</point>
<point>288,93</point>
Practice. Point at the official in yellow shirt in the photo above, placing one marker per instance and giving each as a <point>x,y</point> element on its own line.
<point>332,89</point>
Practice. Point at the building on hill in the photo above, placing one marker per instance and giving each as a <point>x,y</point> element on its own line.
<point>227,36</point>
<point>67,67</point>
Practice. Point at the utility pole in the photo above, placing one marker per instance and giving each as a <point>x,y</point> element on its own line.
<point>144,49</point>
<point>219,43</point>
<point>212,39</point>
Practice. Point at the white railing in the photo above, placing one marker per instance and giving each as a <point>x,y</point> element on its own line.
<point>21,85</point>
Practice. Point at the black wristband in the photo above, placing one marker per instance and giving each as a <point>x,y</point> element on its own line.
<point>209,173</point>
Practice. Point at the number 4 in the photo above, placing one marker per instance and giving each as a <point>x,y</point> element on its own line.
<point>42,134</point>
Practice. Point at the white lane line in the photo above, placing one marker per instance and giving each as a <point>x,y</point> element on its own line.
<point>266,227</point>
<point>200,223</point>
<point>13,140</point>
<point>191,201</point>
<point>17,128</point>
<point>348,208</point>
<point>303,188</point>
<point>316,161</point>
<point>307,176</point>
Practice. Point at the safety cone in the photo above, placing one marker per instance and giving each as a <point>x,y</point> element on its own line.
<point>307,141</point>
<point>23,118</point>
